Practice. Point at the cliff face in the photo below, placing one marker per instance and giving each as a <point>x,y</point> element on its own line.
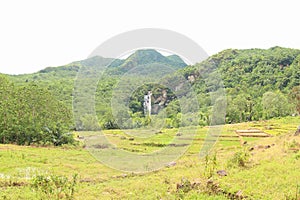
<point>160,101</point>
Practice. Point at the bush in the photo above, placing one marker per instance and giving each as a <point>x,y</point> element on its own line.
<point>240,159</point>
<point>54,186</point>
<point>210,165</point>
<point>32,115</point>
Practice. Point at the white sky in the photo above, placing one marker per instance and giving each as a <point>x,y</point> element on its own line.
<point>35,34</point>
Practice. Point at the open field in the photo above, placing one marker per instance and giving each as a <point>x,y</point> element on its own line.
<point>262,168</point>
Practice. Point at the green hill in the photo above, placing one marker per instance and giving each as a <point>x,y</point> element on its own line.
<point>258,82</point>
<point>250,77</point>
<point>117,66</point>
<point>147,57</point>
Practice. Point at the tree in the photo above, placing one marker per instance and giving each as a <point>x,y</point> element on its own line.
<point>31,114</point>
<point>295,95</point>
<point>6,101</point>
<point>275,105</point>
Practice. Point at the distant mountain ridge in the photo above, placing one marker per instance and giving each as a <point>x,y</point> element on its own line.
<point>145,57</point>
<point>118,66</point>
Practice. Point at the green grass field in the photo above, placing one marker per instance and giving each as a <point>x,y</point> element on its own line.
<point>271,172</point>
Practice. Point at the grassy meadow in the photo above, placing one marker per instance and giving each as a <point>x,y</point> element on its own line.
<point>260,168</point>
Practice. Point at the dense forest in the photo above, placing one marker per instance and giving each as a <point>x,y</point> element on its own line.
<point>260,84</point>
<point>37,108</point>
<point>31,114</point>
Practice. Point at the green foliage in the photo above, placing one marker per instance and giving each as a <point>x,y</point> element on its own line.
<point>161,96</point>
<point>240,108</point>
<point>54,186</point>
<point>240,159</point>
<point>210,165</point>
<point>275,105</point>
<point>247,75</point>
<point>183,187</point>
<point>259,84</point>
<point>295,96</point>
<point>30,114</point>
<point>89,122</point>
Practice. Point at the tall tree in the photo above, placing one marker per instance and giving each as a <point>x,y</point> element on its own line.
<point>295,94</point>
<point>275,105</point>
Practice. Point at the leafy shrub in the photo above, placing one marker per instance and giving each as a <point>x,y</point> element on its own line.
<point>54,186</point>
<point>210,165</point>
<point>183,187</point>
<point>30,114</point>
<point>240,159</point>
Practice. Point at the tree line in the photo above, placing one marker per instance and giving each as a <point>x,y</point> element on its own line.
<point>30,114</point>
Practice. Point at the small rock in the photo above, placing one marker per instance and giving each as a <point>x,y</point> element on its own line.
<point>222,173</point>
<point>86,180</point>
<point>179,134</point>
<point>220,191</point>
<point>260,147</point>
<point>122,176</point>
<point>210,181</point>
<point>100,146</point>
<point>269,128</point>
<point>297,131</point>
<point>196,183</point>
<point>239,194</point>
<point>171,164</point>
<point>268,146</point>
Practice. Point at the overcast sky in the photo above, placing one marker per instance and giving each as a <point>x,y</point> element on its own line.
<point>35,34</point>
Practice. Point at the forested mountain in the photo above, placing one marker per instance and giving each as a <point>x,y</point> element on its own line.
<point>148,56</point>
<point>259,84</point>
<point>60,80</point>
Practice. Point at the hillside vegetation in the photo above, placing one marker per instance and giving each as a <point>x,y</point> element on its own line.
<point>61,112</point>
<point>259,84</point>
<point>32,115</point>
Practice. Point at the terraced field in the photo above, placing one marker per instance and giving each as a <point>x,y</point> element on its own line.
<point>259,168</point>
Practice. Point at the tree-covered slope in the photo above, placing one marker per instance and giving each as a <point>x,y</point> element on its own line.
<point>74,83</point>
<point>258,82</point>
<point>60,80</point>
